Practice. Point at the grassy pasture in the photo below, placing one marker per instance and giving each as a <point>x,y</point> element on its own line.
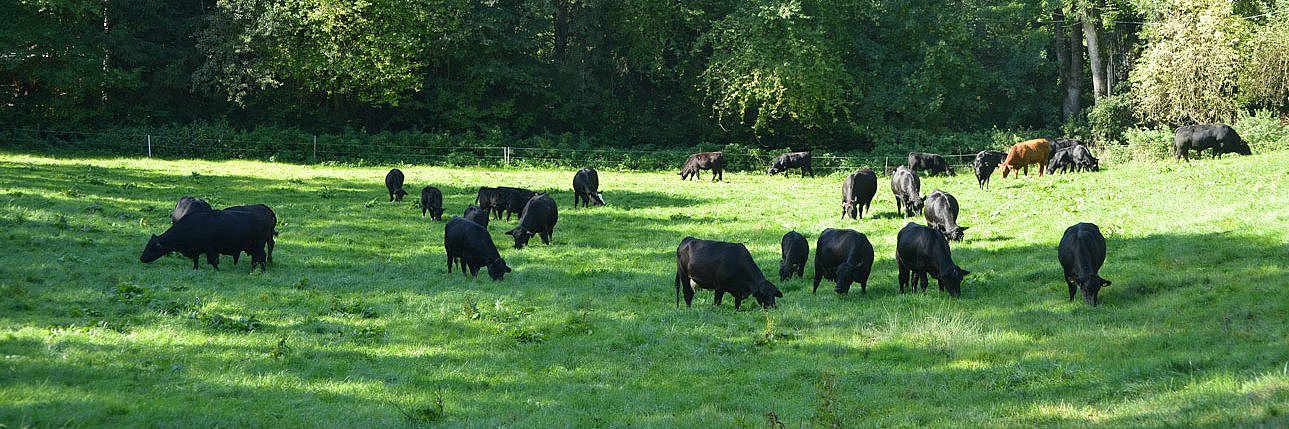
<point>358,324</point>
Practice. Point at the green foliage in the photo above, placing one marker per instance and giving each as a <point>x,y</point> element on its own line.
<point>1263,130</point>
<point>1187,72</point>
<point>1264,77</point>
<point>1110,118</point>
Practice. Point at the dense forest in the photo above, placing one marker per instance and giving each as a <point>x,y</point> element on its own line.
<point>626,73</point>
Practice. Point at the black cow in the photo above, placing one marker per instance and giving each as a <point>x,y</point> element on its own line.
<point>1062,160</point>
<point>432,202</point>
<point>1082,158</point>
<point>1220,138</point>
<point>515,200</point>
<point>791,160</point>
<point>394,184</point>
<point>586,188</point>
<point>477,215</point>
<point>908,191</point>
<point>857,193</point>
<point>492,200</point>
<point>795,253</point>
<point>919,251</point>
<point>1082,252</point>
<point>932,163</point>
<point>942,214</point>
<point>469,244</point>
<point>213,233</point>
<point>844,256</point>
<point>188,205</point>
<point>723,267</point>
<point>985,163</point>
<point>1065,144</point>
<point>538,218</point>
<point>714,161</point>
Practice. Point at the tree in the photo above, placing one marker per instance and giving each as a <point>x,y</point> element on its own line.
<point>1264,80</point>
<point>1187,72</point>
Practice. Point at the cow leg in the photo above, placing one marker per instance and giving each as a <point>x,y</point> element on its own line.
<point>904,278</point>
<point>801,271</point>
<point>474,270</point>
<point>271,243</point>
<point>738,302</point>
<point>818,275</point>
<point>212,257</point>
<point>719,295</point>
<point>195,258</point>
<point>259,258</point>
<point>449,262</point>
<point>546,237</point>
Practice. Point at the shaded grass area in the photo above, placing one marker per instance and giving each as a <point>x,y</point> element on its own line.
<point>358,324</point>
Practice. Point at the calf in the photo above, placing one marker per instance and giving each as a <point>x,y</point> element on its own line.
<point>908,191</point>
<point>394,184</point>
<point>795,253</point>
<point>1082,158</point>
<point>1219,138</point>
<point>515,200</point>
<point>919,251</point>
<point>984,165</point>
<point>788,160</point>
<point>188,205</point>
<point>932,163</point>
<point>477,215</point>
<point>586,188</point>
<point>469,244</point>
<point>538,218</point>
<point>211,233</point>
<point>845,256</point>
<point>492,200</point>
<point>1062,160</point>
<point>857,193</point>
<point>942,214</point>
<point>1082,251</point>
<point>723,267</point>
<point>1021,155</point>
<point>714,161</point>
<point>432,202</point>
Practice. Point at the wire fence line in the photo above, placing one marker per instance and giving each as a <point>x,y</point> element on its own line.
<point>330,149</point>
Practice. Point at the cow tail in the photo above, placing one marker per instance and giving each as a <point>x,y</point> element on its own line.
<point>677,285</point>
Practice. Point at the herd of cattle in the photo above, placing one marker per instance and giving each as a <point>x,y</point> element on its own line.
<point>843,256</point>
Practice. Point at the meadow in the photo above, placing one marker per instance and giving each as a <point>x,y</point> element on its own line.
<point>357,323</point>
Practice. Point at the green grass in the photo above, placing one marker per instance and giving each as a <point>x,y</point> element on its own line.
<point>358,324</point>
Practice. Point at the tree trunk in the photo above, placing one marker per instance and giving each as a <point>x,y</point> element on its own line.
<point>1074,72</point>
<point>561,30</point>
<point>1092,32</point>
<point>1069,107</point>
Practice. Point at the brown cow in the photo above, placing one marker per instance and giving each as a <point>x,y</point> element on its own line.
<point>1022,154</point>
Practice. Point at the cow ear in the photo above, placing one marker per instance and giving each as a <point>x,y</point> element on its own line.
<point>1105,283</point>
<point>507,268</point>
<point>963,228</point>
<point>964,272</point>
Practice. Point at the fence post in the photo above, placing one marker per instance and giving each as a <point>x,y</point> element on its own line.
<point>315,148</point>
<point>149,145</point>
<point>505,155</point>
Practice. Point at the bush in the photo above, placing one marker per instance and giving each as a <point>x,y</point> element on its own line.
<point>1109,118</point>
<point>1141,144</point>
<point>1263,131</point>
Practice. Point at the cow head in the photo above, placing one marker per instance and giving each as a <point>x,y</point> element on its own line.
<point>597,199</point>
<point>917,204</point>
<point>846,273</point>
<point>1242,148</point>
<point>785,270</point>
<point>1006,168</point>
<point>951,280</point>
<point>155,249</point>
<point>956,233</point>
<point>847,208</point>
<point>399,194</point>
<point>521,236</point>
<point>437,212</point>
<point>949,169</point>
<point>1091,286</point>
<point>773,170</point>
<point>765,294</point>
<point>497,268</point>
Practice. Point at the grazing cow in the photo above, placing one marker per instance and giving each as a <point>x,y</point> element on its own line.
<point>515,200</point>
<point>1021,155</point>
<point>492,200</point>
<point>984,165</point>
<point>795,253</point>
<point>432,201</point>
<point>791,160</point>
<point>942,214</point>
<point>932,163</point>
<point>723,267</point>
<point>1065,144</point>
<point>908,191</point>
<point>469,244</point>
<point>394,184</point>
<point>586,188</point>
<point>264,217</point>
<point>188,205</point>
<point>213,233</point>
<point>1062,160</point>
<point>714,161</point>
<point>1219,138</point>
<point>477,215</point>
<point>857,193</point>
<point>919,251</point>
<point>538,218</point>
<point>1083,159</point>
<point>1082,251</point>
<point>844,256</point>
